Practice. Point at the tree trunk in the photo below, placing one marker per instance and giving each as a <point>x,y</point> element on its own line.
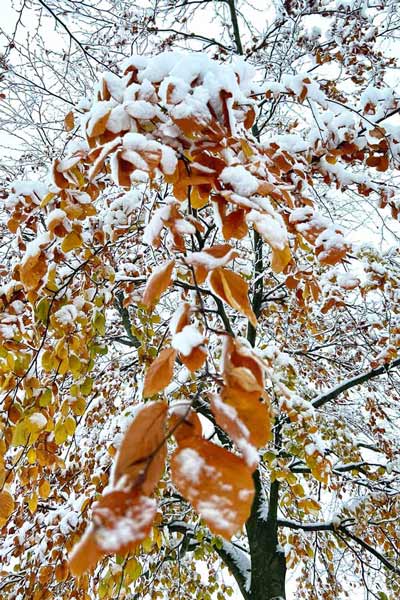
<point>268,564</point>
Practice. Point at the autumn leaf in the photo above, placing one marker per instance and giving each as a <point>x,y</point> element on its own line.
<point>121,521</point>
<point>6,506</point>
<point>195,360</point>
<point>227,417</point>
<point>233,290</point>
<point>141,456</point>
<point>184,422</point>
<point>158,282</point>
<point>159,373</point>
<point>216,482</point>
<point>69,121</point>
<point>33,270</point>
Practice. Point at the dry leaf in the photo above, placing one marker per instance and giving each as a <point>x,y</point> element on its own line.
<point>121,521</point>
<point>157,283</point>
<point>233,290</point>
<point>141,456</point>
<point>159,374</point>
<point>184,422</point>
<point>227,417</point>
<point>218,484</point>
<point>6,505</point>
<point>69,121</point>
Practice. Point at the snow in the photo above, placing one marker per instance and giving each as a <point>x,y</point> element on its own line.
<point>241,181</point>
<point>271,228</point>
<point>97,112</point>
<point>118,120</point>
<point>187,339</point>
<point>38,420</point>
<point>34,247</point>
<point>140,109</point>
<point>66,315</point>
<point>156,224</point>
<point>190,464</point>
<point>57,215</point>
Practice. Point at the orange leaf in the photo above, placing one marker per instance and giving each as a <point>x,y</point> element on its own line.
<point>218,484</point>
<point>158,282</point>
<point>159,373</point>
<point>141,456</point>
<point>195,360</point>
<point>233,290</point>
<point>6,505</point>
<point>69,121</point>
<point>228,419</point>
<point>280,259</point>
<point>32,271</point>
<point>121,521</point>
<point>253,413</point>
<point>184,422</point>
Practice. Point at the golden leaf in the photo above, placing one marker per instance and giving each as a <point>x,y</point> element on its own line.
<point>233,290</point>
<point>159,373</point>
<point>141,456</point>
<point>6,505</point>
<point>218,484</point>
<point>157,283</point>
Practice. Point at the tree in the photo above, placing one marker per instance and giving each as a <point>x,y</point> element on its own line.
<point>198,361</point>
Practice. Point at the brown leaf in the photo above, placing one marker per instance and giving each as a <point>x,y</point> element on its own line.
<point>157,283</point>
<point>195,360</point>
<point>184,422</point>
<point>121,521</point>
<point>227,417</point>
<point>69,121</point>
<point>233,290</point>
<point>159,373</point>
<point>141,456</point>
<point>218,484</point>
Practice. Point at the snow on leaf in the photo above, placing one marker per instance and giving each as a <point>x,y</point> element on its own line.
<point>218,484</point>
<point>121,521</point>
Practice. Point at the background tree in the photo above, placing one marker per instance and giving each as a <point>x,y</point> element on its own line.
<point>188,247</point>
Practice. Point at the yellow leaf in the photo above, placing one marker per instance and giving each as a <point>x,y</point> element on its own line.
<point>6,505</point>
<point>33,502</point>
<point>44,489</point>
<point>71,241</point>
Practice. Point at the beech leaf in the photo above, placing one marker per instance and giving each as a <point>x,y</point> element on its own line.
<point>159,373</point>
<point>141,456</point>
<point>233,290</point>
<point>218,484</point>
<point>157,283</point>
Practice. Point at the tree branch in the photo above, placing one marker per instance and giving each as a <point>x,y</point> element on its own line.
<point>350,383</point>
